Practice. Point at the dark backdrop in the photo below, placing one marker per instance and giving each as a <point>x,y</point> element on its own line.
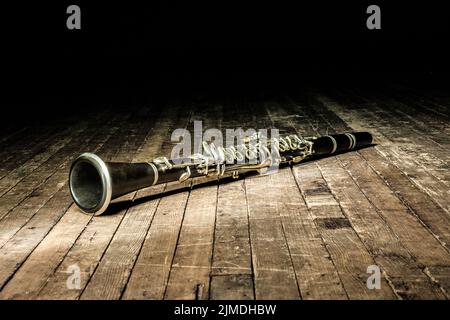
<point>130,52</point>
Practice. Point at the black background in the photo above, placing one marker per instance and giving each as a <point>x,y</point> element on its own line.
<point>133,52</point>
<point>165,309</point>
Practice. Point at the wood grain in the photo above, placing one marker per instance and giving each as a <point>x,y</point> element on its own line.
<point>307,231</point>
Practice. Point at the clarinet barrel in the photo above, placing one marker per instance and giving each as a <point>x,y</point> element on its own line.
<point>338,143</point>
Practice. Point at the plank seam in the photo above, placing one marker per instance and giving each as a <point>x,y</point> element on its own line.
<point>250,241</point>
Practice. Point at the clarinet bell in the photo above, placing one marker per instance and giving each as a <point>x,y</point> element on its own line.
<point>94,183</point>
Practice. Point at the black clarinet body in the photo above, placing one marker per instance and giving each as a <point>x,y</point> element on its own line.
<point>94,183</point>
<point>338,143</point>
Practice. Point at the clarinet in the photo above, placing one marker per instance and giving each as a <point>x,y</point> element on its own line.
<point>94,183</point>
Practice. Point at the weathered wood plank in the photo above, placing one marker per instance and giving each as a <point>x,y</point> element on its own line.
<point>149,276</point>
<point>410,171</point>
<point>27,239</point>
<point>232,287</point>
<point>22,156</point>
<point>403,272</point>
<point>437,190</point>
<point>432,101</point>
<point>14,176</point>
<point>381,191</point>
<point>308,232</point>
<point>274,274</point>
<point>427,137</point>
<point>22,135</point>
<point>269,274</point>
<point>232,254</point>
<point>314,272</point>
<point>421,100</point>
<point>114,269</point>
<point>151,272</point>
<point>189,276</point>
<point>231,269</point>
<point>11,131</point>
<point>22,213</point>
<point>407,162</point>
<point>341,239</point>
<point>420,203</point>
<point>18,193</point>
<point>95,234</point>
<point>423,246</point>
<point>18,151</point>
<point>347,251</point>
<point>112,273</point>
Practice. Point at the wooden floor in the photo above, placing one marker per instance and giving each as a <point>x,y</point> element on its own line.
<point>307,232</point>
